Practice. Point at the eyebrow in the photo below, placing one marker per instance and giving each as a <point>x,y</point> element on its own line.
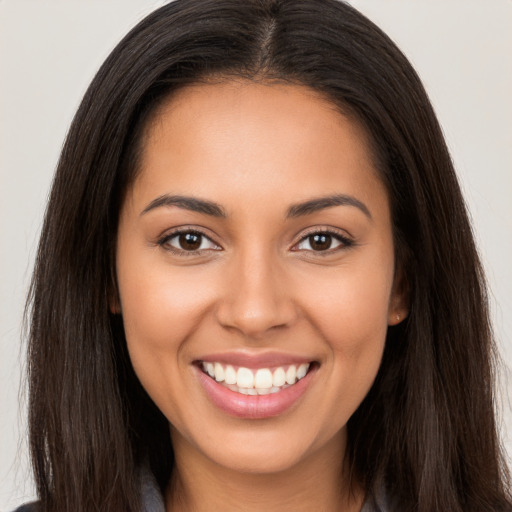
<point>320,203</point>
<point>297,210</point>
<point>187,203</point>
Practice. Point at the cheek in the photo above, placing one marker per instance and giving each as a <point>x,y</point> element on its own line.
<point>350,312</point>
<point>351,308</point>
<point>161,310</point>
<point>159,305</point>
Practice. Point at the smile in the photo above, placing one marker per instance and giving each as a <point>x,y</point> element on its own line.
<point>259,392</point>
<point>260,381</point>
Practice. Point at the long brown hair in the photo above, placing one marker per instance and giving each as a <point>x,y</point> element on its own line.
<point>426,431</point>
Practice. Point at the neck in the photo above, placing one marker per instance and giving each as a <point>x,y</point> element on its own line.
<point>319,482</point>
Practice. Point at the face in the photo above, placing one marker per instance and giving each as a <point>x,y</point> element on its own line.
<point>255,267</point>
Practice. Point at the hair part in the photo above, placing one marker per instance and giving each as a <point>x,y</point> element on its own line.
<point>419,433</point>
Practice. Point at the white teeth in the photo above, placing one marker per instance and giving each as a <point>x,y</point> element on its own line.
<point>244,378</point>
<point>255,382</point>
<point>291,373</point>
<point>210,369</point>
<point>230,375</point>
<point>301,372</point>
<point>219,372</point>
<point>263,379</point>
<point>279,377</point>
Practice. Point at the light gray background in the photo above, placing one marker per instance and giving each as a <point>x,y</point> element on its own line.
<point>49,52</point>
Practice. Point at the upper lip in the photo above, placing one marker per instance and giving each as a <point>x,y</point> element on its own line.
<point>252,360</point>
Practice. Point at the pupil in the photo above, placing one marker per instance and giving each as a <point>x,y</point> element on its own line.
<point>320,242</point>
<point>190,241</point>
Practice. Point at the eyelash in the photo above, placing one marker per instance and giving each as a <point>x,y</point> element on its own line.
<point>345,242</point>
<point>164,242</point>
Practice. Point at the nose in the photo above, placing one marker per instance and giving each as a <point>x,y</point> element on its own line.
<point>256,298</point>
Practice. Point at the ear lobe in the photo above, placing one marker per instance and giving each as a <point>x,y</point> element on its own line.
<point>396,317</point>
<point>399,302</point>
<point>114,303</point>
<point>114,307</point>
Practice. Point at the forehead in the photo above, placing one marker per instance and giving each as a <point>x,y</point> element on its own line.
<point>238,138</point>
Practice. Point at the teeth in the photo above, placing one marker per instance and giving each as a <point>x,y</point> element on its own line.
<point>291,373</point>
<point>210,369</point>
<point>230,375</point>
<point>262,381</point>
<point>219,372</point>
<point>279,377</point>
<point>301,372</point>
<point>244,378</point>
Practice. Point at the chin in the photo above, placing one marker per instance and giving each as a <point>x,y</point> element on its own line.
<point>259,462</point>
<point>264,448</point>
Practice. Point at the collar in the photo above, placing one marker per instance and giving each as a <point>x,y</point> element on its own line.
<point>152,499</point>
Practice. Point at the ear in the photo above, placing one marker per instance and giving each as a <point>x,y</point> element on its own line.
<point>114,302</point>
<point>399,300</point>
<point>114,305</point>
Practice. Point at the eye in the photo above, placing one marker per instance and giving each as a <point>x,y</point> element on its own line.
<point>189,241</point>
<point>323,241</point>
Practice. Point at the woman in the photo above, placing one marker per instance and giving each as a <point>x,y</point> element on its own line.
<point>256,286</point>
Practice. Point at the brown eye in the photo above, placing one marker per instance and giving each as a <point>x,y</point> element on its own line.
<point>323,242</point>
<point>320,241</point>
<point>189,241</point>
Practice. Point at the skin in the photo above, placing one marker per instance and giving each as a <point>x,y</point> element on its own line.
<point>257,286</point>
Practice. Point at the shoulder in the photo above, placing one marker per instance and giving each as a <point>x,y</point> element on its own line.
<point>29,507</point>
<point>372,504</point>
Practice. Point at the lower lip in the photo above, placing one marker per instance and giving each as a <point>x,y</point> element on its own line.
<point>254,406</point>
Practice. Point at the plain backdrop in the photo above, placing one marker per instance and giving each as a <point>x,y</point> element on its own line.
<point>49,52</point>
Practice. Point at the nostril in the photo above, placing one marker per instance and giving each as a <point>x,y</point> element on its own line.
<point>255,317</point>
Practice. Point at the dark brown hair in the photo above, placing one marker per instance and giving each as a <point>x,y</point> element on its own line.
<point>426,431</point>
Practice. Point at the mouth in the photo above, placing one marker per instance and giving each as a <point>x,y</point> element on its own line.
<point>256,392</point>
<point>258,381</point>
